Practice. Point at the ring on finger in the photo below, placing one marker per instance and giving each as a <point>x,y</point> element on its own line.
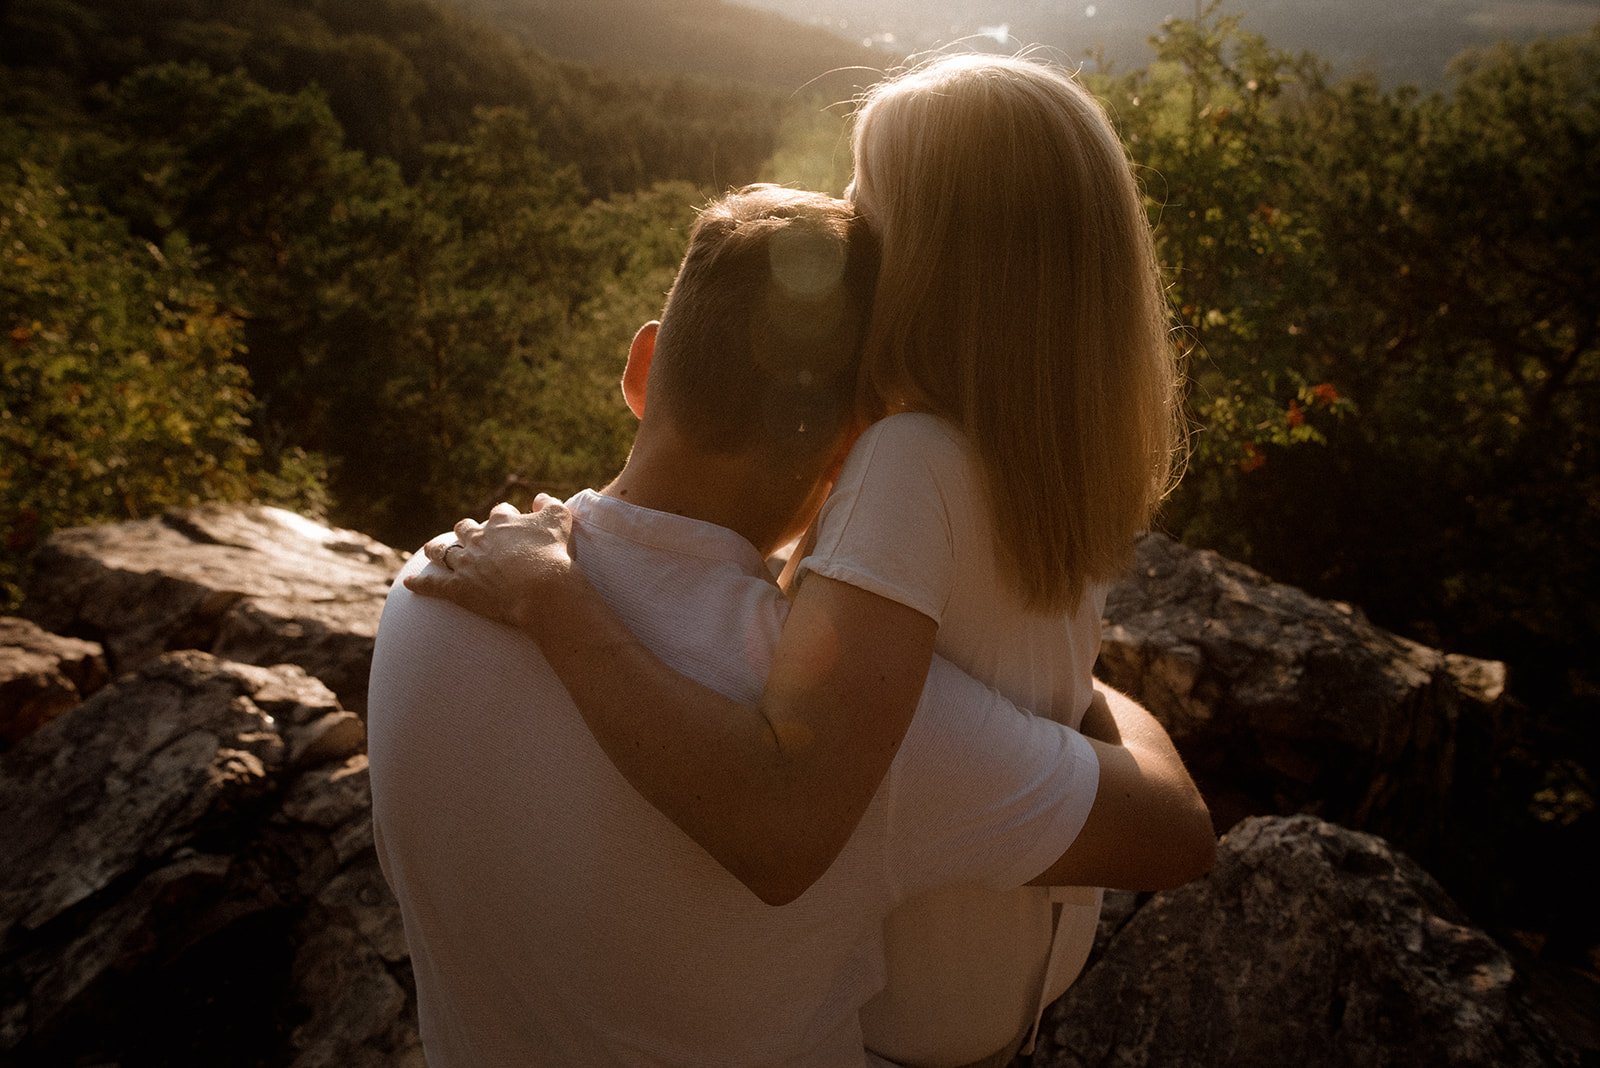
<point>444,557</point>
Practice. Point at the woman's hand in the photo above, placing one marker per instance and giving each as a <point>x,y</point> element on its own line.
<point>504,567</point>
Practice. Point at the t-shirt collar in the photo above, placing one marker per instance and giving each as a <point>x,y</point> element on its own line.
<point>665,530</point>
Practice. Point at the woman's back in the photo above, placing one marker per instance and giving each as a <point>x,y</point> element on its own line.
<point>1018,298</point>
<point>910,520</point>
<point>918,531</point>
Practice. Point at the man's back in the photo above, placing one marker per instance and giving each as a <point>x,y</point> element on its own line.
<point>554,916</point>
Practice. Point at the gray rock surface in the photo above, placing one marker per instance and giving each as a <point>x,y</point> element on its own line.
<point>351,970</point>
<point>254,584</point>
<point>196,838</point>
<point>1284,703</point>
<point>187,866</point>
<point>138,771</point>
<point>41,676</point>
<point>1308,945</point>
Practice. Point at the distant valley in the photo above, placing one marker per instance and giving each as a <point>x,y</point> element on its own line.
<point>1401,42</point>
<point>710,39</point>
<point>833,46</point>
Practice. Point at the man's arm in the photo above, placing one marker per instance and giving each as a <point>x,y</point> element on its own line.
<point>1149,828</point>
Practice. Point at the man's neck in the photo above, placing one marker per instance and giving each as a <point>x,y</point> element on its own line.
<point>729,491</point>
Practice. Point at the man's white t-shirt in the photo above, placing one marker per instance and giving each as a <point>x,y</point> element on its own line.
<point>555,917</point>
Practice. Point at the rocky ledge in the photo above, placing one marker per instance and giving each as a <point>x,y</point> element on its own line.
<point>253,584</point>
<point>1283,703</point>
<point>1307,945</point>
<point>187,876</point>
<point>187,872</point>
<point>41,676</point>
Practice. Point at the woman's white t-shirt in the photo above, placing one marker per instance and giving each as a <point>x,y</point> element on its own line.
<point>909,520</point>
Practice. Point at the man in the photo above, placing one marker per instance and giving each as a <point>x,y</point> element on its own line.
<point>555,916</point>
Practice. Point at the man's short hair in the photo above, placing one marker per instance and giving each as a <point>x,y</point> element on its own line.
<point>761,334</point>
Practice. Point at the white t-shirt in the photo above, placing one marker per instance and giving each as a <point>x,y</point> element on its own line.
<point>555,917</point>
<point>909,520</point>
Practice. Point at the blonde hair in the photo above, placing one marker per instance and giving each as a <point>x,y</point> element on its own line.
<point>1019,297</point>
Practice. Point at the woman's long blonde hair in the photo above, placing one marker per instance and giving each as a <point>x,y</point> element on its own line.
<point>1019,297</point>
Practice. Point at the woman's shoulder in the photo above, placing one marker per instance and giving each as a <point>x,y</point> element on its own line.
<point>917,425</point>
<point>919,435</point>
<point>913,463</point>
<point>894,523</point>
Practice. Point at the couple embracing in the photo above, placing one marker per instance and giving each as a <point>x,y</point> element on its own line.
<point>642,805</point>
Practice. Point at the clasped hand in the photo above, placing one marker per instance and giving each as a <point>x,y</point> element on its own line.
<point>500,568</point>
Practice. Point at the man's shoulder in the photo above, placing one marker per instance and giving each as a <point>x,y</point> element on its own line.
<point>431,645</point>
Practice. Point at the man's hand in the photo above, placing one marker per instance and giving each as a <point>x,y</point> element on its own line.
<point>504,567</point>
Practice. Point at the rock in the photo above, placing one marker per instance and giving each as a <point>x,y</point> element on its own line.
<point>41,676</point>
<point>254,584</point>
<point>1308,945</point>
<point>1116,909</point>
<point>187,864</point>
<point>337,802</point>
<point>355,1000</point>
<point>331,737</point>
<point>179,874</point>
<point>153,916</point>
<point>351,969</point>
<point>1283,703</point>
<point>143,767</point>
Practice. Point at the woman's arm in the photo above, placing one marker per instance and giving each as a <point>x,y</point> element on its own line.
<point>772,791</point>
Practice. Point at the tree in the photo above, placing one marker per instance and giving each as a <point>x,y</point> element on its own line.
<point>498,328</point>
<point>1209,131</point>
<point>123,392</point>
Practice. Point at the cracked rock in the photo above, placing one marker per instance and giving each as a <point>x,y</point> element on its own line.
<point>254,584</point>
<point>41,676</point>
<point>1284,703</point>
<point>1309,945</point>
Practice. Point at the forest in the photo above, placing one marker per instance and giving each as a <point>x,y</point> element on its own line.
<point>379,260</point>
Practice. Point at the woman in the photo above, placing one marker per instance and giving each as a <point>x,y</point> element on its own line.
<point>1019,371</point>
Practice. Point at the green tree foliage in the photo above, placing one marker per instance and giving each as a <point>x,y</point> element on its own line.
<point>123,394</point>
<point>429,337</point>
<point>475,305</point>
<point>399,75</point>
<point>1389,303</point>
<point>1388,300</point>
<point>813,150</point>
<point>287,221</point>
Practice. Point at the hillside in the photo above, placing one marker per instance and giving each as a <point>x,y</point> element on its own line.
<point>710,38</point>
<point>1400,42</point>
<point>397,74</point>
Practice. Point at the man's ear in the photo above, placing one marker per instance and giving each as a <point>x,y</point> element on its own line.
<point>636,375</point>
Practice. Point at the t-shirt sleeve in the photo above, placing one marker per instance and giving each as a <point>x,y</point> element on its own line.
<point>887,528</point>
<point>981,791</point>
